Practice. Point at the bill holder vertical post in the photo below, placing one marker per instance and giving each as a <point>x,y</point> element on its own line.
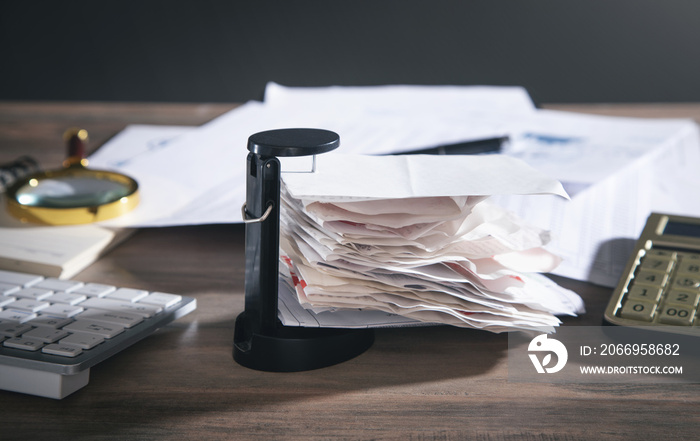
<point>261,342</point>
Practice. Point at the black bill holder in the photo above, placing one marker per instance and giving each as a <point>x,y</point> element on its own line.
<point>261,342</point>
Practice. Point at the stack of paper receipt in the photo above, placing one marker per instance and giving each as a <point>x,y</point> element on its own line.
<point>415,236</point>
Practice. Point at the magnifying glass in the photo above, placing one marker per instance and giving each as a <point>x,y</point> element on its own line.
<point>74,194</point>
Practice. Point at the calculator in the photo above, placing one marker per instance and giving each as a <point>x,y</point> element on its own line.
<point>660,286</point>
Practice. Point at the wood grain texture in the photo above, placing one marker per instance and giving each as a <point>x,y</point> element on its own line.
<point>427,384</point>
<point>36,128</point>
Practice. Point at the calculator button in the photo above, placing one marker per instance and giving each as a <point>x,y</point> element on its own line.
<point>652,278</point>
<point>657,264</point>
<point>647,293</point>
<point>638,310</point>
<point>688,282</point>
<point>689,267</point>
<point>661,253</point>
<point>683,298</point>
<point>689,256</point>
<point>677,315</point>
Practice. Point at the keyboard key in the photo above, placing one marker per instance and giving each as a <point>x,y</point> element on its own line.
<point>58,284</point>
<point>127,294</point>
<point>16,316</point>
<point>161,299</point>
<point>7,288</point>
<point>115,305</point>
<point>106,330</point>
<point>28,305</point>
<point>25,344</point>
<point>13,329</point>
<point>33,293</point>
<point>70,298</point>
<point>62,310</point>
<point>45,335</point>
<point>82,340</point>
<point>94,290</point>
<point>6,300</point>
<point>49,321</point>
<point>62,350</point>
<point>19,279</point>
<point>124,319</point>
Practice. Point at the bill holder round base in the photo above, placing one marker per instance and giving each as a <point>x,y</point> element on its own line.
<point>294,349</point>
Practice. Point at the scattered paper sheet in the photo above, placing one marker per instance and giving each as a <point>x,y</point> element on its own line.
<point>197,175</point>
<point>617,170</point>
<point>449,101</point>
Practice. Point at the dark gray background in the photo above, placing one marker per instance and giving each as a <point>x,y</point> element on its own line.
<point>225,51</point>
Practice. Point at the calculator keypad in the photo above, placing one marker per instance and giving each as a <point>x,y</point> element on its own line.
<point>665,289</point>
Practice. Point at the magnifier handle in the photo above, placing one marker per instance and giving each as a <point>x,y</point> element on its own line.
<point>76,142</point>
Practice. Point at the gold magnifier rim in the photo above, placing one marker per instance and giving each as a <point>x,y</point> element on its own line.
<point>73,215</point>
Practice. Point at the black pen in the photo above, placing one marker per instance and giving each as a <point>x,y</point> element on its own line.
<point>474,147</point>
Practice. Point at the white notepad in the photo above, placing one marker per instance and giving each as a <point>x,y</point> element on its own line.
<point>53,251</point>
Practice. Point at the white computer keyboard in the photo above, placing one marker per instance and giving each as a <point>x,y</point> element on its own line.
<point>52,331</point>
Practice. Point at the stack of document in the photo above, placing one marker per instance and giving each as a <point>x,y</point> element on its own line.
<point>415,236</point>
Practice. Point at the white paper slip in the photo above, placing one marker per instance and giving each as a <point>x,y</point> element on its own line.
<point>341,177</point>
<point>291,313</point>
<point>403,99</point>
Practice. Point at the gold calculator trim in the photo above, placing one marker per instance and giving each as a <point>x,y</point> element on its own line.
<point>652,236</point>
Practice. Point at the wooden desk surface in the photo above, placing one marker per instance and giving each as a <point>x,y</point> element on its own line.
<point>437,383</point>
